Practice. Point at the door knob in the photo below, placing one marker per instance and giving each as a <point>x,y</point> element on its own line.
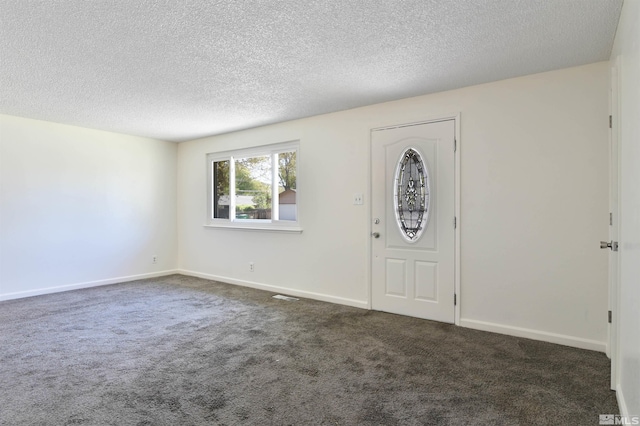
<point>375,235</point>
<point>613,245</point>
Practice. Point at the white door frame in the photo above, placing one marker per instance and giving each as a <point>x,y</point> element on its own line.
<point>444,117</point>
<point>614,229</point>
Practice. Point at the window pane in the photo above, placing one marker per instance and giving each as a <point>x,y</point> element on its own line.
<point>253,188</point>
<point>412,195</point>
<point>287,203</point>
<point>221,189</point>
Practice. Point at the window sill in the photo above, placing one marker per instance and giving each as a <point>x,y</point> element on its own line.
<point>256,227</point>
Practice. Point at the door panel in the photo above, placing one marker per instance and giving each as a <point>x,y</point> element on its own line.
<point>426,281</point>
<point>414,277</point>
<point>396,278</point>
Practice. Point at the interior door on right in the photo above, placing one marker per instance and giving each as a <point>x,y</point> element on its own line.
<point>614,226</point>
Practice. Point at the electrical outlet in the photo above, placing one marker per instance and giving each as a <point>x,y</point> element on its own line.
<point>358,199</point>
<point>251,266</point>
<point>154,259</point>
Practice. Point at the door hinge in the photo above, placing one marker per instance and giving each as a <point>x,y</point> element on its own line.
<point>455,299</point>
<point>610,317</point>
<point>611,122</point>
<point>455,222</point>
<point>455,145</point>
<point>610,219</point>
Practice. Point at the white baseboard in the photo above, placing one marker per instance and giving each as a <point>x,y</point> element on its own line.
<point>544,336</point>
<point>58,289</point>
<point>277,289</point>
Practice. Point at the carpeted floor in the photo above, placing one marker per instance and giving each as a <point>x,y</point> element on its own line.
<point>184,351</point>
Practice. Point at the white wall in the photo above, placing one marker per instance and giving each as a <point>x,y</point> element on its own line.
<point>627,50</point>
<point>534,205</point>
<point>81,207</point>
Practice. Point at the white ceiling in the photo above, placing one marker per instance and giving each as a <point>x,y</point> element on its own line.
<point>179,70</point>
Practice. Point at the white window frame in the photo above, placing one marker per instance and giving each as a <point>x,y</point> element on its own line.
<point>253,224</point>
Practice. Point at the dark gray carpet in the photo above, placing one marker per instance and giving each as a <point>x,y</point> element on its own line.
<point>184,351</point>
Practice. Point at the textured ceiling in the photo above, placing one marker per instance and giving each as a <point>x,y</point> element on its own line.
<point>179,70</point>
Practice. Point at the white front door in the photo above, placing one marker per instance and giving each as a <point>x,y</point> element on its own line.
<point>413,213</point>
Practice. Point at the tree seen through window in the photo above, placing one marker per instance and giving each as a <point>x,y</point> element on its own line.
<point>254,182</point>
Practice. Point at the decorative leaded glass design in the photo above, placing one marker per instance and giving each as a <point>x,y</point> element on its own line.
<point>411,195</point>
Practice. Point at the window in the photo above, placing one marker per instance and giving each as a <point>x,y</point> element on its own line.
<point>411,194</point>
<point>254,188</point>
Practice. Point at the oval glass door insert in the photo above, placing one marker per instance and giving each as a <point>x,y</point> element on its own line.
<point>411,195</point>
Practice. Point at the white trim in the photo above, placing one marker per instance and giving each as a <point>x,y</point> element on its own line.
<point>88,284</point>
<point>622,405</point>
<point>252,227</point>
<point>257,150</point>
<point>528,333</point>
<point>432,119</point>
<point>613,328</point>
<point>458,199</point>
<point>277,289</point>
<point>368,275</point>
